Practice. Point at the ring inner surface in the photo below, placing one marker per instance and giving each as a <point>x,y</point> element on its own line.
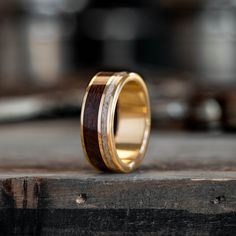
<point>131,117</point>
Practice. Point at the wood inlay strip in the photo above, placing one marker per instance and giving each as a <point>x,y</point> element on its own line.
<point>90,126</point>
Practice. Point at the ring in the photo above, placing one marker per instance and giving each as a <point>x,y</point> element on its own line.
<point>115,121</point>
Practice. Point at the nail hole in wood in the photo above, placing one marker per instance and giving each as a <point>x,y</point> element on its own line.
<point>218,199</point>
<point>81,199</point>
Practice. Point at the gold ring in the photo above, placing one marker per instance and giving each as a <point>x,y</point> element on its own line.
<point>115,121</point>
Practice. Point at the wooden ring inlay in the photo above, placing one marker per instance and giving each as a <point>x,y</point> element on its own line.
<point>90,126</point>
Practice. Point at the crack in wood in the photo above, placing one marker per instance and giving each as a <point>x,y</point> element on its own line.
<point>21,193</point>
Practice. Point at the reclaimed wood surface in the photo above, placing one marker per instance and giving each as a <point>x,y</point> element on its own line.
<point>186,185</point>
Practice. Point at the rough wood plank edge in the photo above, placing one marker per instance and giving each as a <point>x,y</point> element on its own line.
<point>114,222</point>
<point>205,196</point>
<point>114,205</point>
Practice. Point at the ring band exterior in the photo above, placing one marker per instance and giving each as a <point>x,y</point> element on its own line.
<point>106,94</point>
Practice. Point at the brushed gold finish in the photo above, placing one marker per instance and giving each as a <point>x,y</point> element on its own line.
<point>123,121</point>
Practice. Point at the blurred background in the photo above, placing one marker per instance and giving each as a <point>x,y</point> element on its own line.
<point>185,50</point>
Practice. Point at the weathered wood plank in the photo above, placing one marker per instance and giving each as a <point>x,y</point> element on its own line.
<point>186,185</point>
<point>112,205</point>
<point>56,145</point>
<point>136,191</point>
<point>115,222</point>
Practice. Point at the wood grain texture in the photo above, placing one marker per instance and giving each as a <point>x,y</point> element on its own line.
<point>186,185</point>
<point>90,126</point>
